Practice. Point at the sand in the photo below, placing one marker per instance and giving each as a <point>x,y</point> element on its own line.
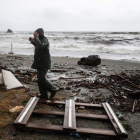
<point>107,67</point>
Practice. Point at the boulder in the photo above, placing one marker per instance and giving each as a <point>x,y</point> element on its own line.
<point>91,60</point>
<point>9,31</point>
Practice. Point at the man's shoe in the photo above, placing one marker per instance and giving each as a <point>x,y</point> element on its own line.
<point>42,97</point>
<point>53,94</point>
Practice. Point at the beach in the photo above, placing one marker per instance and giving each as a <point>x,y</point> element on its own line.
<point>23,63</point>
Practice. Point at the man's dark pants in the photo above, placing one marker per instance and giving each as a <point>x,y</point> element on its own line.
<point>44,84</point>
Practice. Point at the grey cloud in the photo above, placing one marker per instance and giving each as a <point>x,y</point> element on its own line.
<point>62,15</point>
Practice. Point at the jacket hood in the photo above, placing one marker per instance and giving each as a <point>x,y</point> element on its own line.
<point>40,31</point>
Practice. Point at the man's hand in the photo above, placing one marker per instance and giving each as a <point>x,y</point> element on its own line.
<point>31,39</point>
<point>36,34</point>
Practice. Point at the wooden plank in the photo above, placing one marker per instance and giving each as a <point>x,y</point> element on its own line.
<point>58,70</point>
<point>10,80</point>
<point>16,121</point>
<point>76,103</point>
<point>73,114</point>
<point>96,132</point>
<point>69,117</point>
<point>58,128</point>
<point>66,116</point>
<point>1,79</point>
<point>122,131</point>
<point>111,119</point>
<point>78,115</point>
<point>24,116</point>
<point>43,101</point>
<point>89,105</point>
<point>91,116</point>
<point>47,112</point>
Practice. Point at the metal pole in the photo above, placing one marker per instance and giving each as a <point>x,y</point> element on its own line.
<point>11,48</point>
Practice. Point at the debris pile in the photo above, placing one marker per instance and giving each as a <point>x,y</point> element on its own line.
<point>123,84</point>
<point>84,83</point>
<point>126,89</point>
<point>25,76</point>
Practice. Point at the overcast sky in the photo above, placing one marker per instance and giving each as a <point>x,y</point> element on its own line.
<point>70,15</point>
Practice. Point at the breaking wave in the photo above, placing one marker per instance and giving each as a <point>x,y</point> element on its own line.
<point>127,43</point>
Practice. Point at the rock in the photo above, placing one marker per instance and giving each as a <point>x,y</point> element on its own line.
<point>81,107</point>
<point>9,31</point>
<point>76,38</point>
<point>91,60</point>
<point>120,117</point>
<point>137,139</point>
<point>16,109</point>
<point>118,113</point>
<point>61,88</point>
<point>76,135</point>
<point>59,106</point>
<point>59,122</point>
<point>98,94</point>
<point>68,88</point>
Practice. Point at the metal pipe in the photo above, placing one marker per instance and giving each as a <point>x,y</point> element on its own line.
<point>115,118</point>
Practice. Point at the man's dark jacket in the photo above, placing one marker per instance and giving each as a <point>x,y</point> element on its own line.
<point>42,58</point>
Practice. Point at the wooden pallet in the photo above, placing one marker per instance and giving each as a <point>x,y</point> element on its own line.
<point>69,124</point>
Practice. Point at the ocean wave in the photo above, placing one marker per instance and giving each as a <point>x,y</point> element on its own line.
<point>89,42</point>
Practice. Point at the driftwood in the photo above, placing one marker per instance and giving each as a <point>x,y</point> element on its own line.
<point>64,77</point>
<point>128,81</point>
<point>58,70</point>
<point>79,77</point>
<point>133,109</point>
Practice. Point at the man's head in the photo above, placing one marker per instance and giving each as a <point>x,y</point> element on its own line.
<point>40,31</point>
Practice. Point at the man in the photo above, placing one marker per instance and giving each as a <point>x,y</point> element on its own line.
<point>42,62</point>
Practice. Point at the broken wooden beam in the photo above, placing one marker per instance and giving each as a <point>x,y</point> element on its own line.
<point>78,115</point>
<point>58,70</point>
<point>133,109</point>
<point>69,116</point>
<point>43,101</point>
<point>24,116</point>
<point>114,120</point>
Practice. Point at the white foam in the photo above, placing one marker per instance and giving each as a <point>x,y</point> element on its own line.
<point>110,45</point>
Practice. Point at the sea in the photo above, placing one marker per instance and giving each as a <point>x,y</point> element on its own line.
<point>108,45</point>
